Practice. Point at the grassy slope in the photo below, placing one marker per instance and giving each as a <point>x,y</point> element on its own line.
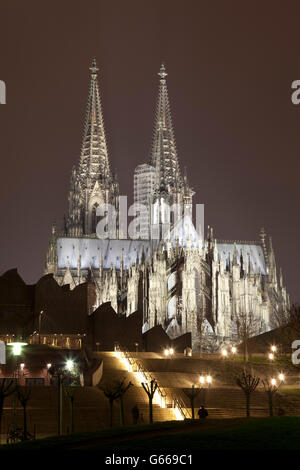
<point>280,433</point>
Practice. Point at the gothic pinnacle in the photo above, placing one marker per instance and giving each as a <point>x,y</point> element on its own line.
<point>162,72</point>
<point>94,69</point>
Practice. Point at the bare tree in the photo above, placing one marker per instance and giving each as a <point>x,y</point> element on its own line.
<point>246,327</point>
<point>287,321</point>
<point>23,395</point>
<point>7,388</point>
<point>150,389</point>
<point>111,391</point>
<point>192,393</point>
<point>248,383</point>
<point>122,389</point>
<point>271,387</point>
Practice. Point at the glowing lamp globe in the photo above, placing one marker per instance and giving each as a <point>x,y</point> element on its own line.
<point>17,347</point>
<point>70,364</point>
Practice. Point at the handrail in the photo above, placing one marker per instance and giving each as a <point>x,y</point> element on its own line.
<point>178,403</point>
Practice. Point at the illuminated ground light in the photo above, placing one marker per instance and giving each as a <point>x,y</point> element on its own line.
<point>70,364</point>
<point>178,414</point>
<point>141,376</point>
<point>17,347</point>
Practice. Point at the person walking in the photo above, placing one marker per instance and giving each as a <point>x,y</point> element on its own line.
<point>202,412</point>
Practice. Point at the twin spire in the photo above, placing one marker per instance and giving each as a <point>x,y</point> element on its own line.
<point>164,153</point>
<point>94,160</point>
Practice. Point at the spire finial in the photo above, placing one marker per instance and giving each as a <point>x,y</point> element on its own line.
<point>162,73</point>
<point>94,69</point>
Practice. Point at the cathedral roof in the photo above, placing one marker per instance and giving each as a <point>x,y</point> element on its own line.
<point>255,252</point>
<point>91,249</point>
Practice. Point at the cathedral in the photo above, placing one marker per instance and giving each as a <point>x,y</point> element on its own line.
<point>180,278</point>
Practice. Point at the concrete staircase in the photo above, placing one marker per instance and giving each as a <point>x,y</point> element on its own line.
<point>91,407</point>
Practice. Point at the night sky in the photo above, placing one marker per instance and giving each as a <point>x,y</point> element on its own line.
<point>230,67</point>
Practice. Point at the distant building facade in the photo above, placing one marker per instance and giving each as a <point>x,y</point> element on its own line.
<point>180,279</point>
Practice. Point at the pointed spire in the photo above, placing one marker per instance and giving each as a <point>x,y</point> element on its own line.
<point>235,255</point>
<point>94,69</point>
<point>94,161</point>
<point>164,153</point>
<point>280,278</point>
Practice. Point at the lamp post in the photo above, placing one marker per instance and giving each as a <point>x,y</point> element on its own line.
<point>60,375</point>
<point>205,380</point>
<point>40,323</point>
<point>16,351</point>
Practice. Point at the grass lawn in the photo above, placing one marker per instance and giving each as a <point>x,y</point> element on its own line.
<point>278,433</point>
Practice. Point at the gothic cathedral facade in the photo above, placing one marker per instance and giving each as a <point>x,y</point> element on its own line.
<point>179,278</point>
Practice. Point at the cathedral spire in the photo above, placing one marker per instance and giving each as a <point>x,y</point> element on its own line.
<point>164,153</point>
<point>94,161</point>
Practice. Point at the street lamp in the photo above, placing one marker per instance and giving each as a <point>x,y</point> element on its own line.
<point>233,350</point>
<point>169,352</point>
<point>70,364</point>
<point>271,356</point>
<point>281,377</point>
<point>273,348</point>
<point>40,322</point>
<point>17,347</point>
<point>224,353</point>
<point>205,380</point>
